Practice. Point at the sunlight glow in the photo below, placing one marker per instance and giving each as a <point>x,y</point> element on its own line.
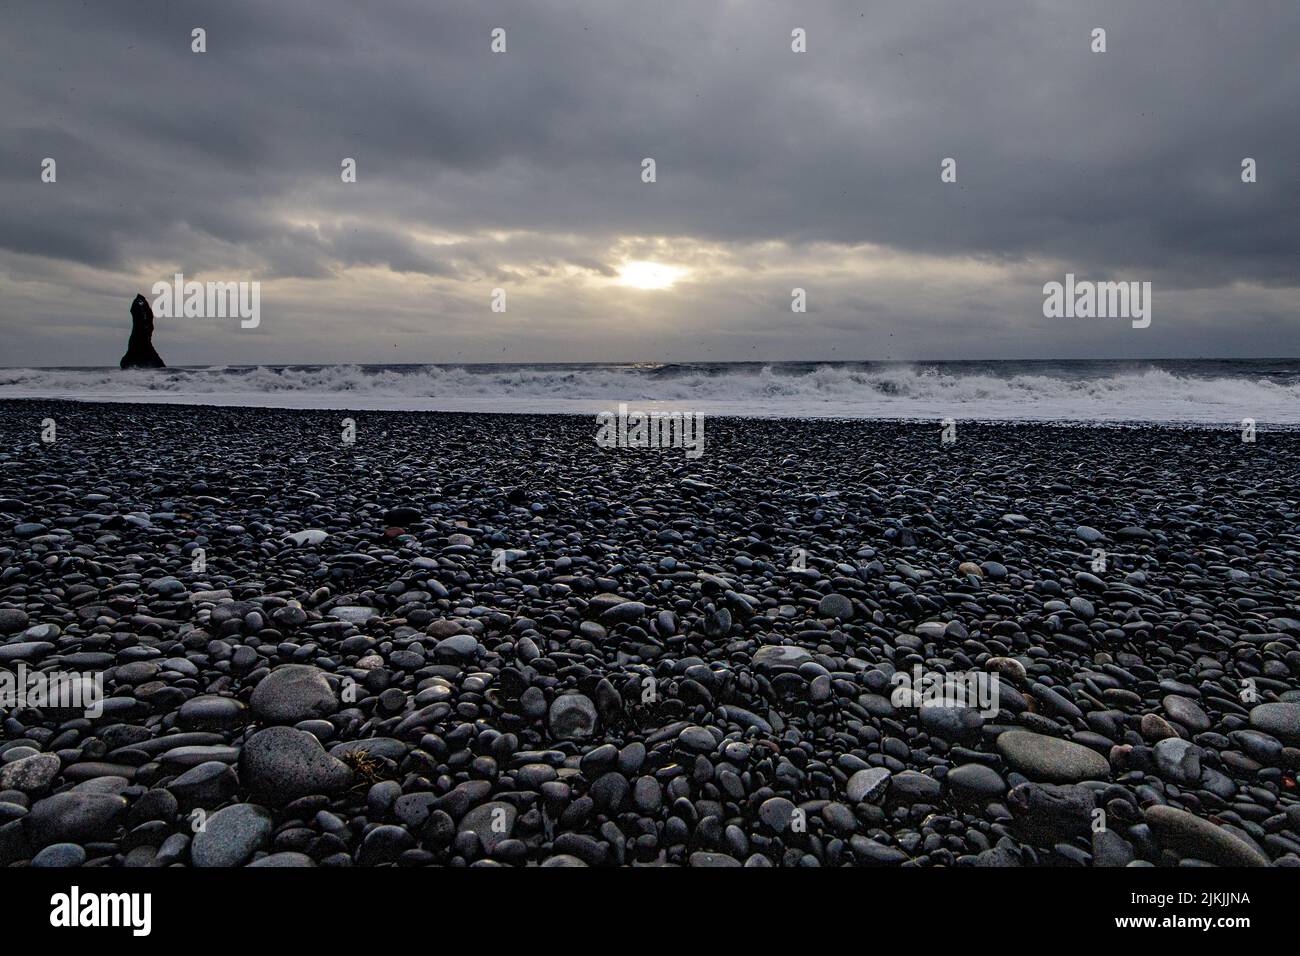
<point>640,274</point>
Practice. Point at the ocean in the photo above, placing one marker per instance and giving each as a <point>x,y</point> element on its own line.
<point>1200,391</point>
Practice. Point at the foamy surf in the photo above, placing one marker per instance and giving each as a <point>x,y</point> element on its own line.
<point>1202,392</point>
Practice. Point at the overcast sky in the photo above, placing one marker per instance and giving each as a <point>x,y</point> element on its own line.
<point>523,171</point>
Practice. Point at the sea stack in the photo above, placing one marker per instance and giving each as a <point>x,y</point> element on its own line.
<point>140,352</point>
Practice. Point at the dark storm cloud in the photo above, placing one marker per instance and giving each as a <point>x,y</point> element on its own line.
<point>1123,164</point>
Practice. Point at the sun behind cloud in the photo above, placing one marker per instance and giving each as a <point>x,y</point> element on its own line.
<point>643,274</point>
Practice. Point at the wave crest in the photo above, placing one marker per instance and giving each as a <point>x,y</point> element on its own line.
<point>852,390</point>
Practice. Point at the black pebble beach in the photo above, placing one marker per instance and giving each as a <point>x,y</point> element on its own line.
<point>481,639</point>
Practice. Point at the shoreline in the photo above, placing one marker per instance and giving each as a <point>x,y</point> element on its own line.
<point>665,405</point>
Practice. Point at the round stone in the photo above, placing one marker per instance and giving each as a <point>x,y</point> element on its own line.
<point>1200,839</point>
<point>780,657</point>
<point>1050,759</point>
<point>1187,712</point>
<point>457,647</point>
<point>625,613</point>
<point>776,812</point>
<point>1007,667</point>
<point>1178,760</point>
<point>913,787</point>
<point>402,515</point>
<point>281,764</point>
<point>208,785</point>
<point>572,717</point>
<point>291,693</point>
<point>31,775</point>
<point>868,784</point>
<point>309,536</point>
<point>59,855</point>
<point>211,712</point>
<point>953,724</point>
<point>1155,727</point>
<point>1280,720</point>
<point>533,703</point>
<point>12,620</point>
<point>353,614</point>
<point>384,844</point>
<point>491,823</point>
<point>75,816</point>
<point>976,782</point>
<point>231,836</point>
<point>704,858</point>
<point>835,605</point>
<point>696,740</point>
<point>648,795</point>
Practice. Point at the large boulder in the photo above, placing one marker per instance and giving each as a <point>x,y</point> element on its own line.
<point>292,693</point>
<point>281,764</point>
<point>74,817</point>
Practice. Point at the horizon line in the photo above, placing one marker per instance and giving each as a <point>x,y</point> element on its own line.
<point>666,362</point>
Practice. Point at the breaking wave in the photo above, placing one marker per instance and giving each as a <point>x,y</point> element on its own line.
<point>1191,391</point>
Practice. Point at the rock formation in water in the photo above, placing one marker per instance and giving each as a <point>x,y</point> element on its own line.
<point>140,352</point>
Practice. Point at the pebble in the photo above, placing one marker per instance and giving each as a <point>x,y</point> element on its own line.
<point>1050,759</point>
<point>491,823</point>
<point>1048,814</point>
<point>572,717</point>
<point>775,812</point>
<point>976,782</point>
<point>308,536</point>
<point>1178,760</point>
<point>292,693</point>
<point>1280,720</point>
<point>12,620</point>
<point>283,764</point>
<point>837,606</point>
<point>775,657</point>
<point>207,785</point>
<point>59,855</point>
<point>231,836</point>
<point>74,817</point>
<point>1186,712</point>
<point>867,784</point>
<point>354,614</point>
<point>1198,838</point>
<point>32,775</point>
<point>211,712</point>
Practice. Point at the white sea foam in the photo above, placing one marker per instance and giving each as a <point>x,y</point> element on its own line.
<point>989,393</point>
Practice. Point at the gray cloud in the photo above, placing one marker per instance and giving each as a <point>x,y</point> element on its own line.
<point>524,169</point>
